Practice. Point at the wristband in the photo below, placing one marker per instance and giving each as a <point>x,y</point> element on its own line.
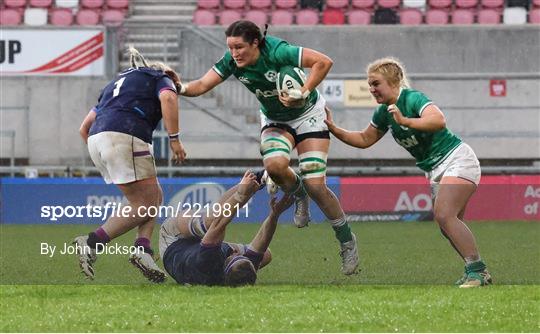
<point>174,136</point>
<point>306,94</point>
<point>183,88</point>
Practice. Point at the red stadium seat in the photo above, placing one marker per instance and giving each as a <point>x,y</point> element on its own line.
<point>536,3</point>
<point>340,4</point>
<point>258,17</point>
<point>440,3</point>
<point>15,3</point>
<point>492,3</point>
<point>286,4</point>
<point>87,17</point>
<point>388,3</point>
<point>40,3</point>
<point>333,17</point>
<point>118,4</point>
<point>410,17</point>
<point>534,16</point>
<point>112,17</point>
<point>10,17</point>
<point>514,15</point>
<point>463,16</point>
<point>229,16</point>
<point>363,3</point>
<point>260,4</point>
<point>234,4</point>
<point>436,17</point>
<point>307,17</point>
<point>489,16</point>
<point>281,18</point>
<point>359,17</point>
<point>466,3</point>
<point>61,17</point>
<point>203,17</point>
<point>208,4</point>
<point>92,3</point>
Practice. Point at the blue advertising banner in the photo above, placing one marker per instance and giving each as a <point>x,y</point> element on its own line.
<point>91,201</point>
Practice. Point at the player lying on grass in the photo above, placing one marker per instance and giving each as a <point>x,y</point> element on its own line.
<point>451,165</point>
<point>193,248</point>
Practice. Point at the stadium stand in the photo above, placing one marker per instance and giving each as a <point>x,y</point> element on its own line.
<point>260,4</point>
<point>359,17</point>
<point>489,16</point>
<point>87,17</point>
<point>410,16</point>
<point>41,3</point>
<point>462,16</point>
<point>10,17</point>
<point>61,17</point>
<point>333,16</point>
<point>229,16</point>
<point>259,17</point>
<point>534,16</point>
<point>35,17</point>
<point>307,17</point>
<point>204,17</point>
<point>73,4</point>
<point>281,17</point>
<point>286,4</point>
<point>234,4</point>
<point>363,12</point>
<point>385,16</point>
<point>62,13</point>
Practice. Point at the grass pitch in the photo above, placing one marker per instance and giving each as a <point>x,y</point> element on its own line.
<point>405,285</point>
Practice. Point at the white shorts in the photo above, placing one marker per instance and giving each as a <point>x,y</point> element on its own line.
<point>311,121</point>
<point>462,163</point>
<point>121,158</point>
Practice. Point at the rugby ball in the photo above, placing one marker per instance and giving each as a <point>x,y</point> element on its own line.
<point>290,77</point>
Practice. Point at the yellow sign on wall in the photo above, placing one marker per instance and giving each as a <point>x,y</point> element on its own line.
<point>357,94</point>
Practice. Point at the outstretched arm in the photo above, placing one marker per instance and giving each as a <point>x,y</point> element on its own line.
<point>361,139</point>
<point>262,239</point>
<point>216,232</point>
<point>198,87</point>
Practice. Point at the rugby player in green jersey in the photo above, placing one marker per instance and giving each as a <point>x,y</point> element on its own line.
<point>288,121</point>
<point>451,165</point>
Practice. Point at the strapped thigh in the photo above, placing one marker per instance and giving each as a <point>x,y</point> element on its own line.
<point>313,164</point>
<point>276,145</point>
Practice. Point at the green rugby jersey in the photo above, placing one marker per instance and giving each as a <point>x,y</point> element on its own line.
<point>260,78</point>
<point>428,148</point>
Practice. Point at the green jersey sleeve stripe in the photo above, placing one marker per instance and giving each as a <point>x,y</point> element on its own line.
<point>300,51</point>
<point>424,107</point>
<point>278,140</point>
<point>313,159</point>
<point>217,71</point>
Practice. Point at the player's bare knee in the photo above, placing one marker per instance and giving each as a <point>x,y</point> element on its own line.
<point>443,217</point>
<point>276,168</point>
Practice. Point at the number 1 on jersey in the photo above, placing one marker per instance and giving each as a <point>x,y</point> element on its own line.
<point>117,85</point>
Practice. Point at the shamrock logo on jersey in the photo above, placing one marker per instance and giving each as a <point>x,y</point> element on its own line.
<point>271,76</point>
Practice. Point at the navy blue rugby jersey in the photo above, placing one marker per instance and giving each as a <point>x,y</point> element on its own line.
<point>130,103</point>
<point>190,261</point>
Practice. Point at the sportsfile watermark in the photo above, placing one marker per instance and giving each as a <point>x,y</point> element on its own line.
<point>113,209</point>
